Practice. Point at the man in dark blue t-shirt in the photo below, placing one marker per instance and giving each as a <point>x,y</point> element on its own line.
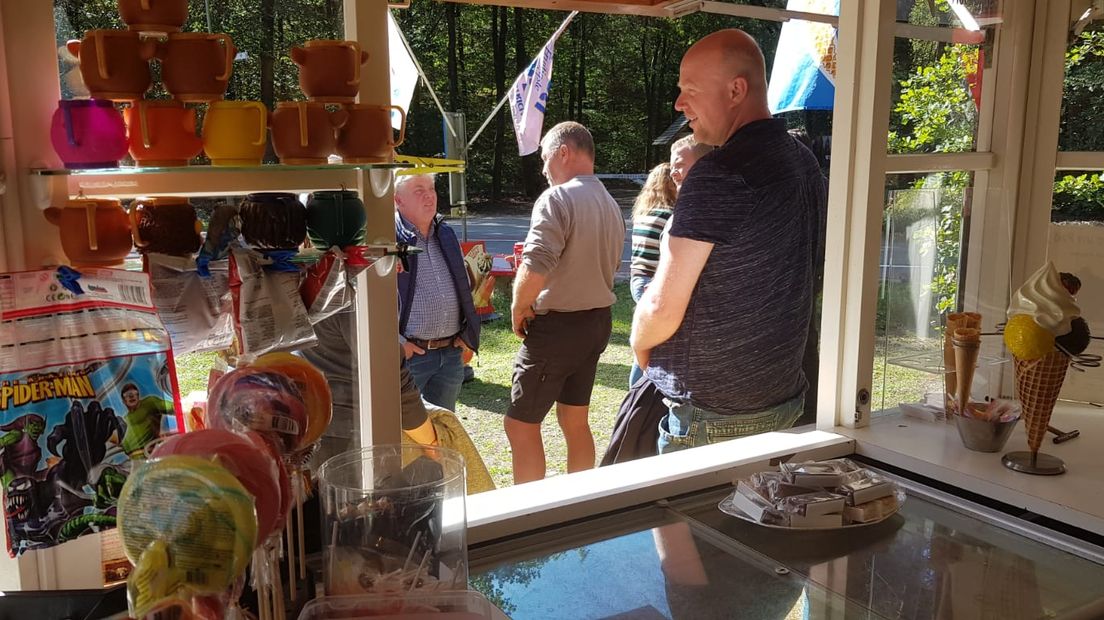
<point>722,328</point>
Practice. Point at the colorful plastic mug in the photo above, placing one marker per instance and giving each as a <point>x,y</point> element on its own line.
<point>162,133</point>
<point>114,63</point>
<point>367,136</point>
<point>166,225</point>
<point>303,133</point>
<point>235,133</point>
<point>95,232</point>
<point>329,71</point>
<point>335,217</point>
<point>196,66</point>
<point>153,15</point>
<point>273,221</point>
<point>88,133</point>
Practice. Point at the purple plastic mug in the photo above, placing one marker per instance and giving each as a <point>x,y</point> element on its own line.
<point>88,133</point>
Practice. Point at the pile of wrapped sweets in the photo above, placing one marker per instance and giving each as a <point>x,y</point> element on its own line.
<point>816,494</point>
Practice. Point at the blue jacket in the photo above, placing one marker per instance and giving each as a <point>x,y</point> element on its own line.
<point>450,246</point>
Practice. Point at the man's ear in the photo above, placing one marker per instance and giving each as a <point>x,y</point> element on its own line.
<point>738,89</point>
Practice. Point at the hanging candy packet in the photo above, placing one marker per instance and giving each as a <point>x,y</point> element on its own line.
<point>86,382</point>
<point>196,310</point>
<point>268,314</point>
<point>328,286</point>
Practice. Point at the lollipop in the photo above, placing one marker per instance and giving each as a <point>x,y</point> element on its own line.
<point>262,400</point>
<point>312,385</point>
<point>186,524</point>
<point>258,471</point>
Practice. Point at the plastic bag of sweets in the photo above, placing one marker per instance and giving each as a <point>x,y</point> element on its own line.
<point>195,309</point>
<point>328,286</point>
<point>269,314</point>
<point>86,382</point>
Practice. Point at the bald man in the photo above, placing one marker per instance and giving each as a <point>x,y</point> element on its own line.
<point>722,328</point>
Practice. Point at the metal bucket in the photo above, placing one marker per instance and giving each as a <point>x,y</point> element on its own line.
<point>983,435</point>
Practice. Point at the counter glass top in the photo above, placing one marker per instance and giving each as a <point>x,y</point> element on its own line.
<point>686,559</point>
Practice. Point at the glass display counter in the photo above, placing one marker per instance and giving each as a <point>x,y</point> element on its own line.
<point>939,557</point>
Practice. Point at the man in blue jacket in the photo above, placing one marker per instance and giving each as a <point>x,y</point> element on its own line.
<point>437,317</point>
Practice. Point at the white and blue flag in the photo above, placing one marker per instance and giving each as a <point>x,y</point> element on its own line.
<point>804,73</point>
<point>528,99</point>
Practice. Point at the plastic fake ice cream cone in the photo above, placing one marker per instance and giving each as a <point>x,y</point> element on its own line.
<point>955,320</point>
<point>966,342</point>
<point>1038,383</point>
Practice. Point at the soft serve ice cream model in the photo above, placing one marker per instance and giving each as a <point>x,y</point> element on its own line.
<point>1044,331</point>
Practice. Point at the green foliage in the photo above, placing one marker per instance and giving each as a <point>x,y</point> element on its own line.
<point>935,106</point>
<point>1079,197</point>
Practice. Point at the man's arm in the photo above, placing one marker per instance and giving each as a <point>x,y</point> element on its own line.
<point>527,286</point>
<point>661,309</point>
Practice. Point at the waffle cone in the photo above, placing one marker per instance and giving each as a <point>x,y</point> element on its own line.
<point>1038,383</point>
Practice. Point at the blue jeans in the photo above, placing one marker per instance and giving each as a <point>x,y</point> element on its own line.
<point>439,373</point>
<point>686,426</point>
<point>637,284</point>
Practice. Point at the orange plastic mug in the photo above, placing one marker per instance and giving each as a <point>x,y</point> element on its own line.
<point>329,71</point>
<point>162,133</point>
<point>114,63</point>
<point>166,225</point>
<point>196,66</point>
<point>367,136</point>
<point>153,15</point>
<point>95,232</point>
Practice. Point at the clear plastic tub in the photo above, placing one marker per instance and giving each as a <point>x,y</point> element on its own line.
<point>393,521</point>
<point>439,605</point>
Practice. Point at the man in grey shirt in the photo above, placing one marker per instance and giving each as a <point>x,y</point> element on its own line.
<point>561,307</point>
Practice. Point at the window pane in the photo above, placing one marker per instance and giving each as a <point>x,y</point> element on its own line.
<point>1082,129</point>
<point>939,61</point>
<point>1076,245</point>
<point>263,32</point>
<point>919,282</point>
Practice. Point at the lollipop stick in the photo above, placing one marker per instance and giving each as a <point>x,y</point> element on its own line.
<point>413,546</point>
<point>299,493</point>
<point>278,595</point>
<point>290,551</point>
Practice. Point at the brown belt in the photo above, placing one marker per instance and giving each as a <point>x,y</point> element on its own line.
<point>430,345</point>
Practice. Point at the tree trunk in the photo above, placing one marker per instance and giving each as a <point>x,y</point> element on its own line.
<point>498,44</point>
<point>530,164</point>
<point>268,55</point>
<point>581,82</point>
<point>453,78</point>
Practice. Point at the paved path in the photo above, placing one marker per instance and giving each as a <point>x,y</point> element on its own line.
<point>502,231</point>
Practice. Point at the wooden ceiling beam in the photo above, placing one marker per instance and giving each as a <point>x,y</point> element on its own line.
<point>649,8</point>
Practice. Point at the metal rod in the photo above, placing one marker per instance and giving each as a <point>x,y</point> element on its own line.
<point>506,97</point>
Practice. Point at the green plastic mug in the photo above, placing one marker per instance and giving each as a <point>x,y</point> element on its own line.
<point>335,217</point>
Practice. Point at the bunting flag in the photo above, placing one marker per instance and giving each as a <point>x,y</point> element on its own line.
<point>804,73</point>
<point>528,98</point>
<point>404,74</point>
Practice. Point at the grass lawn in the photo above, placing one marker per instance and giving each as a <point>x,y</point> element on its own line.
<point>483,402</point>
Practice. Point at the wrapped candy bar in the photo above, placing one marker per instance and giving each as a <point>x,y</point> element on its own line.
<point>819,473</point>
<point>871,511</point>
<point>761,481</point>
<point>755,505</point>
<point>819,521</point>
<point>811,504</point>
<point>865,490</point>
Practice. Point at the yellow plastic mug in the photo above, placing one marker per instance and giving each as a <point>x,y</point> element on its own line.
<point>235,133</point>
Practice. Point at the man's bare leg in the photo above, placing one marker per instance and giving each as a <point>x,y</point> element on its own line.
<point>527,450</point>
<point>575,422</point>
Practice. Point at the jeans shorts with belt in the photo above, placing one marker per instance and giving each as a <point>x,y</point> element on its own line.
<point>686,426</point>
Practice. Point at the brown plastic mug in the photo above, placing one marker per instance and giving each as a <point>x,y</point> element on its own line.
<point>153,15</point>
<point>367,137</point>
<point>196,66</point>
<point>162,133</point>
<point>329,71</point>
<point>95,232</point>
<point>114,63</point>
<point>166,225</point>
<point>303,132</point>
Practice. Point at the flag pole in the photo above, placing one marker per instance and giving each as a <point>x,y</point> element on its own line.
<point>506,97</point>
<point>421,74</point>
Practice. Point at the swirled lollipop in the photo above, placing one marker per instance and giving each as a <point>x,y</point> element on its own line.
<point>257,470</point>
<point>187,525</point>
<point>260,400</point>
<point>312,385</point>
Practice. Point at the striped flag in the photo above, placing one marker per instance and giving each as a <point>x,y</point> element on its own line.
<point>804,73</point>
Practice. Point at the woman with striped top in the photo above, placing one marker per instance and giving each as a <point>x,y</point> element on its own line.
<point>652,209</point>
